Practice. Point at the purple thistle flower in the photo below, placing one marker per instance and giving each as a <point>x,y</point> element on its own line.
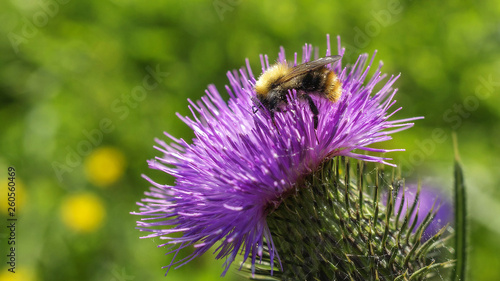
<point>240,167</point>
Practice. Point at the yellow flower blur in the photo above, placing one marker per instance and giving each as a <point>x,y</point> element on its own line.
<point>83,212</point>
<point>19,197</point>
<point>21,274</point>
<point>104,166</point>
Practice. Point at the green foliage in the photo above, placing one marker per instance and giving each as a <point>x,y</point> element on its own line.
<point>70,69</point>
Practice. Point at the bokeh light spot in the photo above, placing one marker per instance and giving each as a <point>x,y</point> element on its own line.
<point>104,166</point>
<point>83,212</point>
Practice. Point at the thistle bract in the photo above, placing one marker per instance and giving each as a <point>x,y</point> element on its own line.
<point>338,227</point>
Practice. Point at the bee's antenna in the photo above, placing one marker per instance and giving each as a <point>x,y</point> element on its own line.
<point>254,108</point>
<point>248,110</point>
<point>274,122</point>
<point>257,104</point>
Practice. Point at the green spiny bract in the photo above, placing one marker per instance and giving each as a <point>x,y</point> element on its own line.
<point>336,227</point>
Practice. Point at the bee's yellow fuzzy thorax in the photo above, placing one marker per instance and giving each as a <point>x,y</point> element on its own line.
<point>263,84</point>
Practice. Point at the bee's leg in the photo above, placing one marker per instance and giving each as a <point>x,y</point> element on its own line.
<point>314,110</point>
<point>273,121</point>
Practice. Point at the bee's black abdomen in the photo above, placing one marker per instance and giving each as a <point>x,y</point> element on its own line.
<point>313,81</point>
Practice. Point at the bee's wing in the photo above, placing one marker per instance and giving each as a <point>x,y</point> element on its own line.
<point>307,67</point>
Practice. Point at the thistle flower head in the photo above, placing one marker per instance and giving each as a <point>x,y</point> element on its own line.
<point>240,166</point>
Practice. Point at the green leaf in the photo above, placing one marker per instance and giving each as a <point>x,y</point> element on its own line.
<point>459,270</point>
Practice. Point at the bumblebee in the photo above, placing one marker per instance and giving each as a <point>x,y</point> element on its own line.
<point>311,77</point>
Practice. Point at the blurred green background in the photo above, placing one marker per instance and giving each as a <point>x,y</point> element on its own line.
<point>79,113</point>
